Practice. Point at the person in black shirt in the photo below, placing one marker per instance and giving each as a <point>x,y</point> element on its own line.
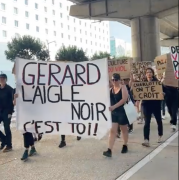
<point>151,107</point>
<point>6,110</point>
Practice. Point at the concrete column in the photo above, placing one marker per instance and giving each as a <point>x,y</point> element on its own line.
<point>145,33</point>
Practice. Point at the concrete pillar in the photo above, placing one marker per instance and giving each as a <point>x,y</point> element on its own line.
<point>145,33</point>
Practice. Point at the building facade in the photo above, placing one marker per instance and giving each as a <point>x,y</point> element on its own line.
<point>49,21</point>
<point>120,48</point>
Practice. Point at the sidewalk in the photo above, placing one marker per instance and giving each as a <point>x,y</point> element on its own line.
<point>164,166</point>
<point>80,160</point>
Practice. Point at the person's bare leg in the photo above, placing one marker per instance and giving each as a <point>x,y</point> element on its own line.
<point>125,136</point>
<point>112,138</point>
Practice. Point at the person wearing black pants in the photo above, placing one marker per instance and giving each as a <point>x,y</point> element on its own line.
<point>171,97</point>
<point>6,110</point>
<point>151,107</point>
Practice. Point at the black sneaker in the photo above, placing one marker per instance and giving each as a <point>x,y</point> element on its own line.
<point>124,149</point>
<point>25,156</point>
<point>107,153</point>
<point>35,139</point>
<point>62,144</point>
<point>78,138</point>
<point>130,131</point>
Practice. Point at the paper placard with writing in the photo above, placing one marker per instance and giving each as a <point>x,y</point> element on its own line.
<point>119,66</point>
<point>139,68</point>
<point>160,64</point>
<point>148,90</point>
<point>56,98</point>
<point>170,79</point>
<point>174,51</point>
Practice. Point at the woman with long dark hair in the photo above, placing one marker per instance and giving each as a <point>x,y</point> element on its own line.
<point>118,97</point>
<point>151,107</point>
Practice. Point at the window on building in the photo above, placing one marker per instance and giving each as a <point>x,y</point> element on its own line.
<point>91,42</point>
<point>37,28</point>
<point>85,24</point>
<point>53,2</point>
<point>90,34</point>
<point>61,25</point>
<point>74,29</point>
<point>85,33</point>
<point>75,38</point>
<point>54,23</point>
<point>45,9</point>
<point>4,20</point>
<point>15,0</point>
<point>68,27</point>
<point>16,23</point>
<point>46,31</point>
<point>46,20</point>
<point>68,17</point>
<point>36,6</point>
<point>36,17</point>
<point>69,37</point>
<point>26,2</point>
<point>95,44</point>
<point>80,30</point>
<point>53,12</point>
<point>80,39</point>
<point>4,33</point>
<point>27,26</point>
<point>26,14</point>
<point>3,6</point>
<point>60,4</point>
<point>54,33</point>
<point>61,15</point>
<point>15,10</point>
<point>86,42</point>
<point>67,8</point>
<point>62,35</point>
<point>80,22</point>
<point>74,20</point>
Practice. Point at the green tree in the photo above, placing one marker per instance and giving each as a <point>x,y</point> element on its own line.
<point>71,53</point>
<point>100,55</point>
<point>26,47</point>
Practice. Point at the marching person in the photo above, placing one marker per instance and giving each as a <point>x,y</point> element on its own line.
<point>118,97</point>
<point>28,141</point>
<point>6,110</point>
<point>63,142</point>
<point>151,107</point>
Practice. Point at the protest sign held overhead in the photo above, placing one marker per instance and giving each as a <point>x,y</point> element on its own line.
<point>63,98</point>
<point>119,66</point>
<point>148,90</point>
<point>174,52</point>
<point>139,68</point>
<point>160,64</point>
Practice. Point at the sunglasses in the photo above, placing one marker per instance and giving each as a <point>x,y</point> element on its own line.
<point>115,80</point>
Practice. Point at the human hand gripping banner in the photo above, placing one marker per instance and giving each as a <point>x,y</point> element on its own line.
<point>63,98</point>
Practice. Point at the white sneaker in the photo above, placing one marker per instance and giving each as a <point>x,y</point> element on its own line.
<point>160,140</point>
<point>163,117</point>
<point>173,127</point>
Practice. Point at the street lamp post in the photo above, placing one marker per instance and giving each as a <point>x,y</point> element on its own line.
<point>48,43</point>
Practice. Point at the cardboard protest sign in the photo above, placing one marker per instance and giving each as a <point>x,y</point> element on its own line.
<point>119,66</point>
<point>148,90</point>
<point>170,79</point>
<point>63,98</point>
<point>160,64</point>
<point>139,68</point>
<point>174,52</point>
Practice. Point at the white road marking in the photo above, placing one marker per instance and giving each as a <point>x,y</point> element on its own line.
<point>147,159</point>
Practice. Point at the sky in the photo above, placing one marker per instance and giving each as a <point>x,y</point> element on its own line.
<point>120,31</point>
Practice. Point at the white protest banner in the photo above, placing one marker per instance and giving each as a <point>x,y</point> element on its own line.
<point>174,51</point>
<point>63,98</point>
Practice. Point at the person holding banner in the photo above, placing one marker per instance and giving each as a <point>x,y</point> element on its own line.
<point>118,97</point>
<point>151,107</point>
<point>6,110</point>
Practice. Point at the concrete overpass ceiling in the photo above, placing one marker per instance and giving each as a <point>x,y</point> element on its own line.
<point>125,10</point>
